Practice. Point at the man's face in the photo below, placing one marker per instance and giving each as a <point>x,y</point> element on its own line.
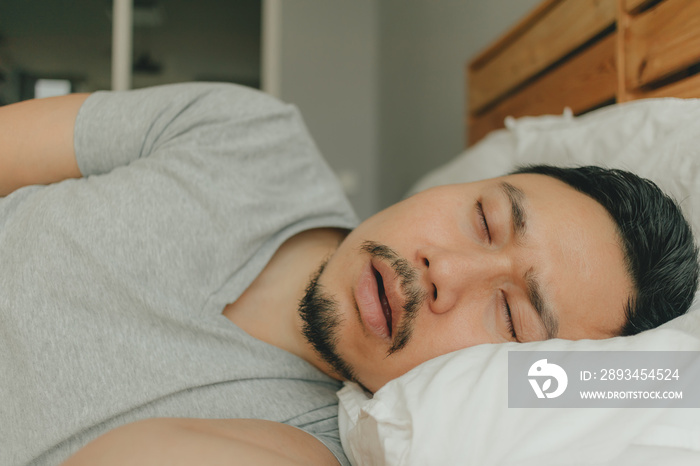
<point>517,258</point>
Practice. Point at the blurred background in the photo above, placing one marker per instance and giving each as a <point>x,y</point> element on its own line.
<point>380,83</point>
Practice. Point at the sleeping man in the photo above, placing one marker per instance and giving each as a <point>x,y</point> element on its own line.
<point>183,281</point>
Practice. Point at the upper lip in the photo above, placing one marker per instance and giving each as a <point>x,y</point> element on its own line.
<point>392,290</point>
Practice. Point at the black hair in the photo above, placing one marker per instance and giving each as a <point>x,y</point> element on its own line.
<point>657,241</point>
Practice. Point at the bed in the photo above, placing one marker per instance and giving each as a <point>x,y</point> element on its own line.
<point>585,54</point>
<point>576,82</point>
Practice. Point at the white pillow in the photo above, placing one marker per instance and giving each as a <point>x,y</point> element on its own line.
<point>658,139</point>
<point>453,409</point>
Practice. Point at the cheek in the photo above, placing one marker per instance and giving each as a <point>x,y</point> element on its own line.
<point>446,333</point>
<point>420,216</point>
<point>435,337</point>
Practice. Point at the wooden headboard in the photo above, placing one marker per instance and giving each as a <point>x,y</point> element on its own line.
<point>585,54</point>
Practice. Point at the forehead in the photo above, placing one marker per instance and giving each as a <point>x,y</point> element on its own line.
<point>574,246</point>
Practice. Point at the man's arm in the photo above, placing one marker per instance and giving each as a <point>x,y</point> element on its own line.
<point>210,442</point>
<point>36,142</point>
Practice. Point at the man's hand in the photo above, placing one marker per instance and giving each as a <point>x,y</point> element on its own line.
<point>180,442</point>
<point>36,142</point>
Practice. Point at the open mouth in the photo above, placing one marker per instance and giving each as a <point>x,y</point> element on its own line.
<point>382,300</point>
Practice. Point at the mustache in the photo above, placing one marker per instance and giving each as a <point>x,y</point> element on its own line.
<point>414,296</point>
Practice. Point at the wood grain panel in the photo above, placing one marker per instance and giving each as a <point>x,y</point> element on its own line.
<point>632,5</point>
<point>688,88</point>
<point>582,83</point>
<point>661,41</point>
<point>623,21</point>
<point>514,33</point>
<point>566,26</point>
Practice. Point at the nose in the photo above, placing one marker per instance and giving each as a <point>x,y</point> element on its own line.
<point>456,275</point>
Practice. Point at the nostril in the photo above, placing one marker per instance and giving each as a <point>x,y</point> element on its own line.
<point>434,292</point>
<point>426,262</point>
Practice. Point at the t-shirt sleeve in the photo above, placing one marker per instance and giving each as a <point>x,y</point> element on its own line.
<point>332,442</point>
<point>322,423</point>
<point>114,129</point>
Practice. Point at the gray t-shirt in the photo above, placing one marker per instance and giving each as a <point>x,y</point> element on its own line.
<point>112,286</point>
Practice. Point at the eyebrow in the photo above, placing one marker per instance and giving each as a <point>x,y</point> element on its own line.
<point>516,198</point>
<point>517,211</point>
<point>544,311</point>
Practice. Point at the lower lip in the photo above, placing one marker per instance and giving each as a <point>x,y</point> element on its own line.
<point>367,296</point>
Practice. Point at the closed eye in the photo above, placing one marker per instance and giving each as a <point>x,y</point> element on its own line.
<point>508,316</point>
<point>482,219</point>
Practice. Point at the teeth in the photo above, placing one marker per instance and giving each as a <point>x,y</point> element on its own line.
<point>383,301</point>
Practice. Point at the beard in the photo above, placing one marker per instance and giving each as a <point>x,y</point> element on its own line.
<point>322,319</point>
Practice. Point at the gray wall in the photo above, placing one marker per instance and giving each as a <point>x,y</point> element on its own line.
<point>328,67</point>
<point>381,82</point>
<point>424,46</point>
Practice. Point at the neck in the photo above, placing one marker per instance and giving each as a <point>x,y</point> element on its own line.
<point>269,308</point>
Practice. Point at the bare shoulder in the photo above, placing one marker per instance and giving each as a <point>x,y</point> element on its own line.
<point>181,442</point>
